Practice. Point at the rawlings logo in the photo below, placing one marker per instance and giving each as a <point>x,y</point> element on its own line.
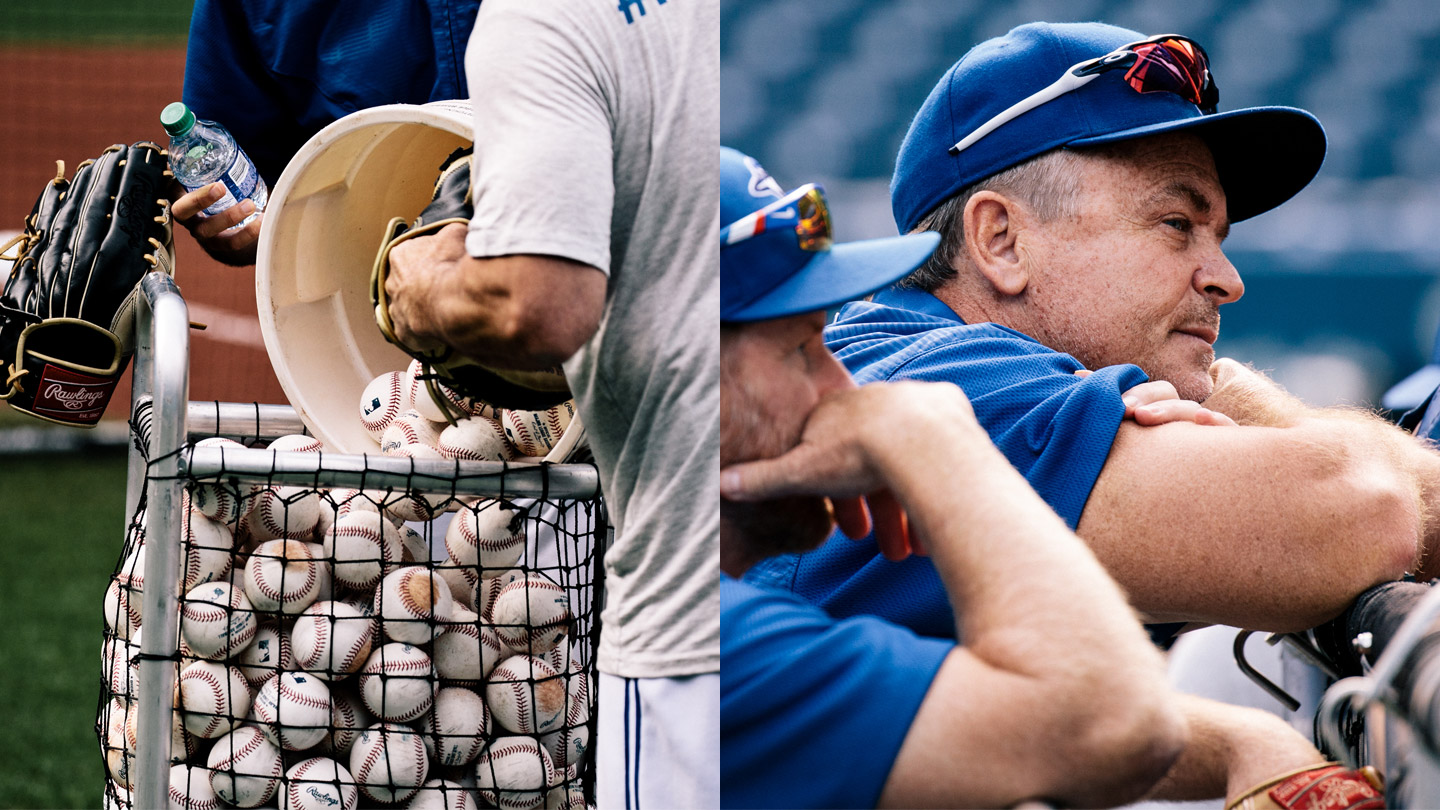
<point>71,396</point>
<point>73,400</point>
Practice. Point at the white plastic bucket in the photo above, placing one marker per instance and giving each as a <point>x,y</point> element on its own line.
<point>323,226</point>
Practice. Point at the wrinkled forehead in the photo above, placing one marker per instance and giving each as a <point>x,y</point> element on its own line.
<point>1177,164</point>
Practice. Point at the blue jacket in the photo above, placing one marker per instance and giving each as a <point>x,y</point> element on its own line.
<point>274,72</point>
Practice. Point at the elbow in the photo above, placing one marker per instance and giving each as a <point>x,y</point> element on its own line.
<point>1127,745</point>
<point>1385,531</point>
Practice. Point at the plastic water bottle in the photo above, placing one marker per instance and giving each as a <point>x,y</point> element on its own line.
<point>202,152</point>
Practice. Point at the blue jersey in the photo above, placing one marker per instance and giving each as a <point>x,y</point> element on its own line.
<point>799,690</point>
<point>1054,427</point>
<point>275,72</point>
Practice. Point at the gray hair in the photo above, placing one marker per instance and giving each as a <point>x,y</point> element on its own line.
<point>1049,183</point>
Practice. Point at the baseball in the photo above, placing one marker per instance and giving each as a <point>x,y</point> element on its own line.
<point>348,718</point>
<point>362,543</point>
<point>534,433</point>
<point>282,575</point>
<point>190,789</point>
<point>214,698</point>
<point>294,708</point>
<point>490,588</point>
<point>389,762</point>
<point>567,745</point>
<point>208,547</point>
<point>414,548</point>
<point>398,682</point>
<point>382,400</point>
<point>122,606</point>
<point>409,428</point>
<point>467,651</point>
<point>413,505</point>
<point>457,727</point>
<point>220,502</point>
<point>296,443</point>
<point>442,794</point>
<point>488,535</point>
<point>526,695</point>
<point>565,797</point>
<point>245,767</point>
<point>462,587</point>
<point>475,439</point>
<point>182,743</point>
<point>513,773</point>
<point>318,783</point>
<point>217,621</point>
<point>336,503</point>
<point>121,674</point>
<point>410,601</point>
<point>284,512</point>
<point>119,756</point>
<point>331,640</point>
<point>266,656</point>
<point>532,614</point>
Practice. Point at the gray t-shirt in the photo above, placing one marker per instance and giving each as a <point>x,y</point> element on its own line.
<point>596,139</point>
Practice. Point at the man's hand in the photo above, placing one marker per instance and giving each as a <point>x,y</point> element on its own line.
<point>843,456</point>
<point>1251,398</point>
<point>419,269</point>
<point>235,247</point>
<point>1158,403</point>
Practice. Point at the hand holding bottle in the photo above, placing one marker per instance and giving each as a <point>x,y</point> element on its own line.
<point>218,234</point>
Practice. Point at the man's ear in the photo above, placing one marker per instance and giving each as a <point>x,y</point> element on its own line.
<point>992,229</point>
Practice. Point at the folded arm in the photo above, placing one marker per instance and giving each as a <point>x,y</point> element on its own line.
<point>1276,524</point>
<point>1057,693</point>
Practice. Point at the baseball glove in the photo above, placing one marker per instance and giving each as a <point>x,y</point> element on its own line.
<point>67,312</point>
<point>1318,787</point>
<point>505,388</point>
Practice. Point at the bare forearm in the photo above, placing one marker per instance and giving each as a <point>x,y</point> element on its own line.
<point>1020,581</point>
<point>1250,398</point>
<point>1231,749</point>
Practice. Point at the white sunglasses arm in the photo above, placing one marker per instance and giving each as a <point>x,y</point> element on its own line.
<point>1058,88</point>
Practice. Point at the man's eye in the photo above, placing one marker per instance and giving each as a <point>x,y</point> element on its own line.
<point>1180,224</point>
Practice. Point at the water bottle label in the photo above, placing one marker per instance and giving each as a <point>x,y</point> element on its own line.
<point>239,172</point>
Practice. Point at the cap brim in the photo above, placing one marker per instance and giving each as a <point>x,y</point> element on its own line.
<point>1264,155</point>
<point>846,272</point>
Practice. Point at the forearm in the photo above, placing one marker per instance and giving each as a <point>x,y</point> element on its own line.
<point>521,311</point>
<point>1030,596</point>
<point>1230,750</point>
<point>1251,398</point>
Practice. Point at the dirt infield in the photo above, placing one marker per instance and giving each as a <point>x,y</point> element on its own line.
<point>68,104</point>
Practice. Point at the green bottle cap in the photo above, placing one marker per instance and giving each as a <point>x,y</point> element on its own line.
<point>177,119</point>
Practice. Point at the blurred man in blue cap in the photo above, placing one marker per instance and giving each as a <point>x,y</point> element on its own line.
<point>1082,181</point>
<point>1054,695</point>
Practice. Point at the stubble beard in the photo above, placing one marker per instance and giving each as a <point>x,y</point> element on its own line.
<point>790,525</point>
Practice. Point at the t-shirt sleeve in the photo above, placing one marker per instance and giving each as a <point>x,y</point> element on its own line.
<point>799,690</point>
<point>542,180</point>
<point>1054,427</point>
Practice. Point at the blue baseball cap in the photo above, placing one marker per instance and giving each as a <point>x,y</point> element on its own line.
<point>1264,155</point>
<point>776,257</point>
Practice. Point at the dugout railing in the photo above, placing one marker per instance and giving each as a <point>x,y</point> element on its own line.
<point>163,461</point>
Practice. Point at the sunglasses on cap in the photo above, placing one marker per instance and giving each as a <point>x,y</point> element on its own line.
<point>1168,63</point>
<point>802,212</point>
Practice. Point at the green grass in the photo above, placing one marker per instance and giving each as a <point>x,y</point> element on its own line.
<point>84,22</point>
<point>59,542</point>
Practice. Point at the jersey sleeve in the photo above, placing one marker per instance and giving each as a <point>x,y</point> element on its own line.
<point>1054,427</point>
<point>800,691</point>
<point>541,91</point>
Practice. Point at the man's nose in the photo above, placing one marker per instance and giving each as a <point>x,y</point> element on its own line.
<point>1218,280</point>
